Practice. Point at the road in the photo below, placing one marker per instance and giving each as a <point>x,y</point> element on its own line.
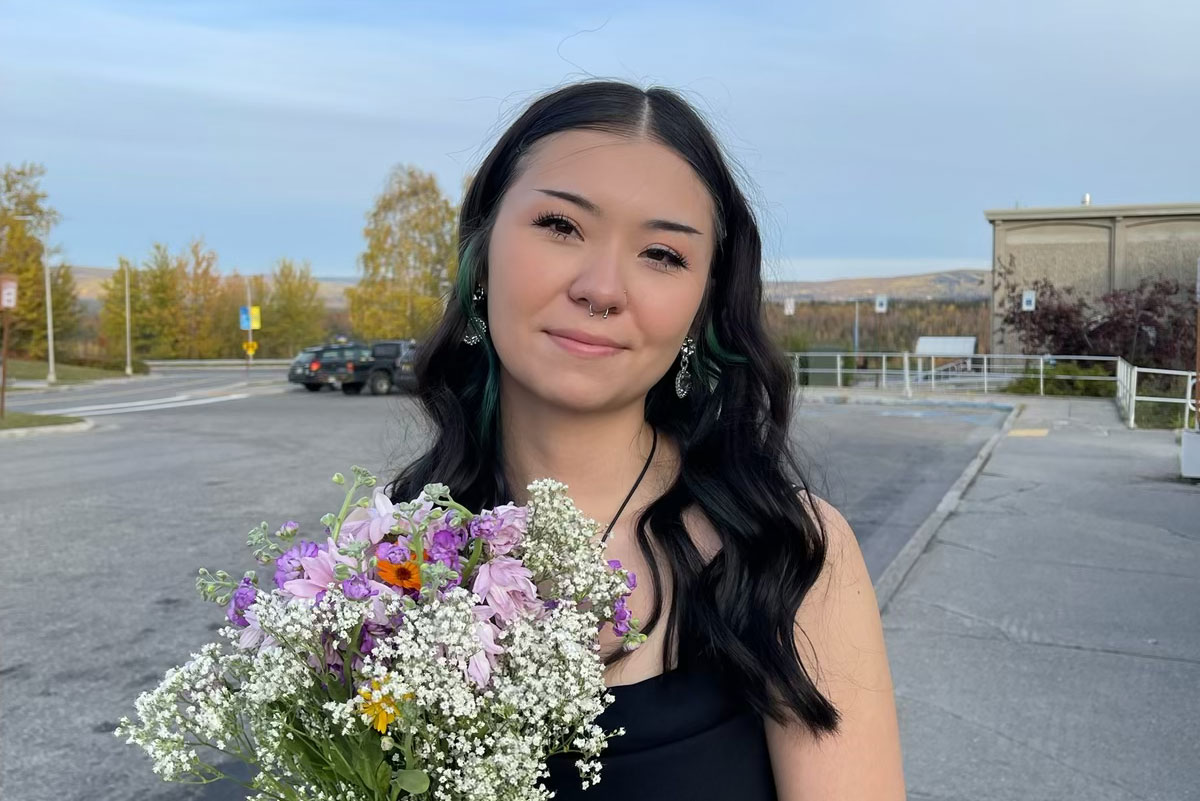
<point>105,530</point>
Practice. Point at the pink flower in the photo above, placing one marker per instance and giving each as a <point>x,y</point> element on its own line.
<point>480,666</point>
<point>502,528</point>
<point>504,583</point>
<point>253,636</point>
<point>373,522</point>
<point>318,572</point>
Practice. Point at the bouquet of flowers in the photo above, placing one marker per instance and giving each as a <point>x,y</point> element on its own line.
<point>420,651</point>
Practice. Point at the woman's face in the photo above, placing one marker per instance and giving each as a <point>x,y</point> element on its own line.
<point>619,223</point>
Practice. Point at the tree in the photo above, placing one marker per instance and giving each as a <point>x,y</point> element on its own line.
<point>1150,325</point>
<point>25,223</point>
<point>200,300</point>
<point>409,263</point>
<point>112,311</point>
<point>160,320</point>
<point>293,317</point>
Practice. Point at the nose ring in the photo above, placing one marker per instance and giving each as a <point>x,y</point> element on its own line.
<point>592,312</point>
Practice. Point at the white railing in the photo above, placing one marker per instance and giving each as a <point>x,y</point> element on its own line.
<point>1128,397</point>
<point>934,372</point>
<point>981,372</point>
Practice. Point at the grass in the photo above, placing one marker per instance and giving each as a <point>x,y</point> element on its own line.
<point>65,373</point>
<point>22,420</point>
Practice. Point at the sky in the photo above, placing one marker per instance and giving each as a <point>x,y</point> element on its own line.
<point>870,134</point>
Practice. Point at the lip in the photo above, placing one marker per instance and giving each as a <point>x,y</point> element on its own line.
<point>583,344</point>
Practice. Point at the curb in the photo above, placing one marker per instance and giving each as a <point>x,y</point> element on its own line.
<point>895,573</point>
<point>887,400</point>
<point>34,431</point>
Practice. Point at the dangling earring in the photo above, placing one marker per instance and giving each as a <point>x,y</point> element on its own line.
<point>683,379</point>
<point>476,325</point>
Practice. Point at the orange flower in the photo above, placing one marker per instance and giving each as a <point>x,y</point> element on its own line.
<point>401,574</point>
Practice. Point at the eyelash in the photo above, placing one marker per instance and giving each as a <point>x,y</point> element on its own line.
<point>548,220</point>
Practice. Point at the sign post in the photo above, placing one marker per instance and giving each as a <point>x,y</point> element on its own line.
<point>250,318</point>
<point>8,302</point>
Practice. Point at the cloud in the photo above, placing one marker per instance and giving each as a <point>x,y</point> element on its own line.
<point>870,128</point>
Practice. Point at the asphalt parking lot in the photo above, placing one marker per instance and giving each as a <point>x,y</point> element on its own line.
<point>108,527</point>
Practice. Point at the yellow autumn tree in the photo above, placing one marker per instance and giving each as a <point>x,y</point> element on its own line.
<point>409,263</point>
<point>25,223</point>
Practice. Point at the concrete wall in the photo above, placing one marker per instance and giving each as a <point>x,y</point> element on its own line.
<point>1094,249</point>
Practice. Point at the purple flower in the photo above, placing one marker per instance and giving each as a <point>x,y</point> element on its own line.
<point>630,578</point>
<point>289,528</point>
<point>317,574</point>
<point>504,584</point>
<point>444,546</point>
<point>503,528</point>
<point>621,617</point>
<point>240,601</point>
<point>358,588</point>
<point>396,553</point>
<point>288,567</point>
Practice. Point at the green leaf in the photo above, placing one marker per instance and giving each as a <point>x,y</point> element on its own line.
<point>412,781</point>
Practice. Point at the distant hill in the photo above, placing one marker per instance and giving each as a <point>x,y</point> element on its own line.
<point>963,285</point>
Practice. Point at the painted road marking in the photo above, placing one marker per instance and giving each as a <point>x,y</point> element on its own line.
<point>177,402</point>
<point>1028,432</point>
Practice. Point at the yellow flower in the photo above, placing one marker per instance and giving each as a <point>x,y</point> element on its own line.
<point>380,712</point>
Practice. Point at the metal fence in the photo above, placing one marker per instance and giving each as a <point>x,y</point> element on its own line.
<point>989,372</point>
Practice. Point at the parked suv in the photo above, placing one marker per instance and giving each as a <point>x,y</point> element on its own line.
<point>390,365</point>
<point>336,365</point>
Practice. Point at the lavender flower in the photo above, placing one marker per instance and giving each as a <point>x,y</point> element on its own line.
<point>245,594</point>
<point>396,553</point>
<point>621,617</point>
<point>288,567</point>
<point>444,546</point>
<point>358,588</point>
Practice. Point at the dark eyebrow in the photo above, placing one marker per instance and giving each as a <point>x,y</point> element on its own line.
<point>587,205</point>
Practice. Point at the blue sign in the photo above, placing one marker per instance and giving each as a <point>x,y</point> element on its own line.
<point>244,317</point>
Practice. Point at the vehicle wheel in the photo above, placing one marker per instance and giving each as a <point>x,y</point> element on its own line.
<point>352,389</point>
<point>313,387</point>
<point>381,384</point>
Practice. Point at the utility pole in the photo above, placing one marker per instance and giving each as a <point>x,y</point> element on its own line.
<point>51,378</point>
<point>128,328</point>
<point>856,328</point>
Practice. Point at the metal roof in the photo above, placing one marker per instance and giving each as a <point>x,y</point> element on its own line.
<point>945,346</point>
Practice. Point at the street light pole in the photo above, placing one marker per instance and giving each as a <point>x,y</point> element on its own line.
<point>51,378</point>
<point>128,336</point>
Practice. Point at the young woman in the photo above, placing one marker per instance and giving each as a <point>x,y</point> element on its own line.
<point>606,331</point>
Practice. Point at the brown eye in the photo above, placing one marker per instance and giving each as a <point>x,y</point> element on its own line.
<point>667,257</point>
<point>556,224</point>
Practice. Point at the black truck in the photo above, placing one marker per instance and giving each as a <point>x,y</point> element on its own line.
<point>389,364</point>
<point>352,366</point>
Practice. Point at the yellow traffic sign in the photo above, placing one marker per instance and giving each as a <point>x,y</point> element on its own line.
<point>250,347</point>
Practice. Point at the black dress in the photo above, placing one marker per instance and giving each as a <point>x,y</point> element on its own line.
<point>688,736</point>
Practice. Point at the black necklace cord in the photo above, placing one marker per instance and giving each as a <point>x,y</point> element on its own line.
<point>645,467</point>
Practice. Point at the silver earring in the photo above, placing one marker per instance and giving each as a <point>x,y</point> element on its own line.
<point>476,325</point>
<point>683,379</point>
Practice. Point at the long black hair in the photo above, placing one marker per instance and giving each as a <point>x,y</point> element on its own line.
<point>736,612</point>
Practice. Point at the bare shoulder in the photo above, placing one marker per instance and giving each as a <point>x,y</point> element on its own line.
<point>840,643</point>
